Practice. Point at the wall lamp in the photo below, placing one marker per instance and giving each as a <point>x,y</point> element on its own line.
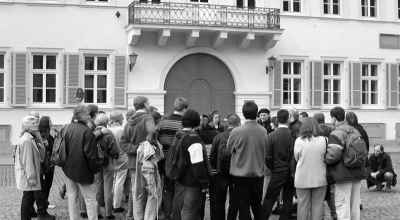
<point>270,65</point>
<point>132,60</point>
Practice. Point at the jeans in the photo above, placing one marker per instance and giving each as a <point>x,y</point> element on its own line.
<point>310,204</point>
<point>119,182</point>
<point>148,195</point>
<point>168,195</point>
<point>89,194</point>
<point>279,181</point>
<point>247,193</point>
<point>104,190</point>
<point>46,182</point>
<point>347,200</point>
<point>187,203</point>
<point>28,199</point>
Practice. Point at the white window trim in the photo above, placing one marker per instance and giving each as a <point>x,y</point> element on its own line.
<point>44,72</point>
<point>291,76</point>
<point>368,10</point>
<point>370,78</point>
<point>7,76</point>
<point>110,54</point>
<point>330,14</point>
<point>59,78</point>
<point>331,78</point>
<point>291,8</point>
<point>208,2</point>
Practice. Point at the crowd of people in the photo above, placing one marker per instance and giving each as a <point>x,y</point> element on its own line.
<point>166,167</point>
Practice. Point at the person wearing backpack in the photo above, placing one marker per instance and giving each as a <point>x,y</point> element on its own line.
<point>220,158</point>
<point>108,144</point>
<point>81,164</point>
<point>346,160</point>
<point>187,164</point>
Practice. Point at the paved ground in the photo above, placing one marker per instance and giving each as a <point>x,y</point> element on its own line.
<point>377,205</point>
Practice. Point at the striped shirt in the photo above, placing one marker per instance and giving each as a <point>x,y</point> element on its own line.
<point>167,129</point>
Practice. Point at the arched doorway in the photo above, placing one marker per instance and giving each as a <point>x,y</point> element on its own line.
<point>204,80</point>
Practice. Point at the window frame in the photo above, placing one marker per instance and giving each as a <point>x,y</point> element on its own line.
<point>369,80</point>
<point>398,9</point>
<point>368,9</point>
<point>291,77</point>
<point>331,79</point>
<point>44,72</point>
<point>96,73</point>
<point>291,6</point>
<point>330,5</point>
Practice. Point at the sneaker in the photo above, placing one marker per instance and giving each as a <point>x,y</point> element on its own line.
<point>119,210</point>
<point>110,217</point>
<point>51,206</point>
<point>84,215</point>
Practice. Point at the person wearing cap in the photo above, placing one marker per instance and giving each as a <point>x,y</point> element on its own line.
<point>27,170</point>
<point>220,163</point>
<point>105,177</point>
<point>121,165</point>
<point>264,119</point>
<point>140,127</point>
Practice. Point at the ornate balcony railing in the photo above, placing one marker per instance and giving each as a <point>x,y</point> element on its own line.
<point>193,14</point>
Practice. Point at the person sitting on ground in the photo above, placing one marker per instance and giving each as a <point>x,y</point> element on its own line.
<point>380,169</point>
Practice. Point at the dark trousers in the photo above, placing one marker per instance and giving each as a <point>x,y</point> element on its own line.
<point>247,193</point>
<point>188,203</point>
<point>46,182</point>
<point>278,182</point>
<point>28,199</point>
<point>218,195</point>
<point>167,198</point>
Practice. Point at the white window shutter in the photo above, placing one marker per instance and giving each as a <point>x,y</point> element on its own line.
<point>355,85</point>
<point>72,78</point>
<point>19,79</point>
<point>276,85</point>
<point>392,85</point>
<point>316,84</point>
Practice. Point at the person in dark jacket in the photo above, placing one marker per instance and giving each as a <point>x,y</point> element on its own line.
<point>215,123</point>
<point>206,131</point>
<point>140,127</point>
<point>294,123</point>
<point>347,181</point>
<point>352,120</point>
<point>194,179</point>
<point>47,168</point>
<point>167,129</point>
<point>279,160</point>
<point>264,119</point>
<point>380,169</point>
<point>80,165</point>
<point>220,164</point>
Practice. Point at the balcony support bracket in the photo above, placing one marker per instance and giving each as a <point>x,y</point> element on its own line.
<point>164,36</point>
<point>134,36</point>
<point>192,38</point>
<point>245,43</point>
<point>221,37</point>
<point>271,41</point>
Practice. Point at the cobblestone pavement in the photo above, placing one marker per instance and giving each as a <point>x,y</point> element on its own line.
<point>377,205</point>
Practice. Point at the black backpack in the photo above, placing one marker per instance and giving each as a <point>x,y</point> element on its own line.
<point>174,162</point>
<point>355,154</point>
<point>59,153</point>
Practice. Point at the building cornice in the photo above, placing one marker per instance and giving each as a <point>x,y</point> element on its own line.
<point>61,3</point>
<point>340,18</point>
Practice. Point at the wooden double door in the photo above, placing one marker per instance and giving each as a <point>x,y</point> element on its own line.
<point>204,80</point>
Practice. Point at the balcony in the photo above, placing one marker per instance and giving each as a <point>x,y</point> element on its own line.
<point>196,17</point>
<point>192,14</point>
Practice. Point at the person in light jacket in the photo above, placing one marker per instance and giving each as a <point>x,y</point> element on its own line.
<point>27,170</point>
<point>310,177</point>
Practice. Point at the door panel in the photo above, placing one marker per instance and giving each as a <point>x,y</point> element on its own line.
<point>204,80</point>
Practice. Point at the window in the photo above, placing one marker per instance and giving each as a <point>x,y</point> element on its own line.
<point>331,7</point>
<point>369,84</point>
<point>2,74</point>
<point>389,41</point>
<point>152,1</point>
<point>199,1</point>
<point>97,0</point>
<point>291,79</point>
<point>251,4</point>
<point>239,3</point>
<point>96,70</point>
<point>368,8</point>
<point>44,78</point>
<point>398,9</point>
<point>291,6</point>
<point>331,83</point>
